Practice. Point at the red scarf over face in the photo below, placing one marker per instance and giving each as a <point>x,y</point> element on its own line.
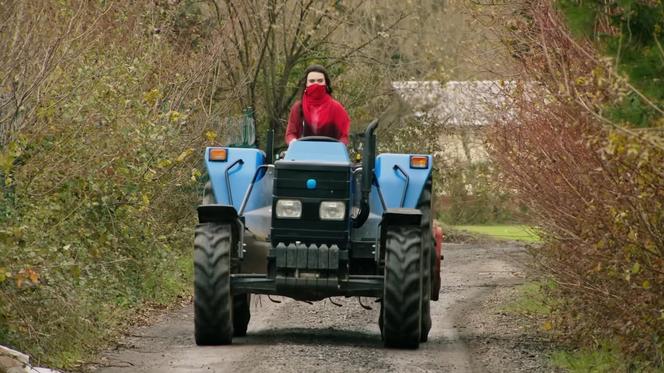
<point>316,107</point>
<point>318,114</point>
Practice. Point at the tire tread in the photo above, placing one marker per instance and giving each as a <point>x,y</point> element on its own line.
<point>403,288</point>
<point>212,294</point>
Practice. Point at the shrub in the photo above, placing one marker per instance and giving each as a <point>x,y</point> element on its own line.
<point>593,185</point>
<point>93,224</point>
<point>474,194</point>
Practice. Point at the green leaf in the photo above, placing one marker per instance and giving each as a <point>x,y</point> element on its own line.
<point>75,271</point>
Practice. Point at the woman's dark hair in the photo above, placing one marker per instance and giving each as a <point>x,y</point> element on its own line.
<point>317,69</point>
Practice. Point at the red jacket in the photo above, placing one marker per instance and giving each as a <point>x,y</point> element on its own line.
<point>336,125</point>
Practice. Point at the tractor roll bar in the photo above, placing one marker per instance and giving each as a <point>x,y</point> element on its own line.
<point>368,164</point>
<point>228,183</point>
<point>251,187</point>
<point>380,195</point>
<point>405,188</point>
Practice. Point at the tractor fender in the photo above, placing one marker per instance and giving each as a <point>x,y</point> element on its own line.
<point>400,184</point>
<point>230,178</point>
<point>223,214</point>
<point>401,216</point>
<point>396,217</point>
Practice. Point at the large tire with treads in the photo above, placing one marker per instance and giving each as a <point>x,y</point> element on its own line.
<point>241,303</point>
<point>429,258</point>
<point>402,294</point>
<point>213,322</point>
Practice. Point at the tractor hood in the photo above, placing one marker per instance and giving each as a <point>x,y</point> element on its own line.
<point>317,152</point>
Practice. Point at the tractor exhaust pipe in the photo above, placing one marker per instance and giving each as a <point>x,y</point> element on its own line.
<point>368,164</point>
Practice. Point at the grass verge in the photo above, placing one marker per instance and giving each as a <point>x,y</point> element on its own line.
<point>605,357</point>
<point>530,301</point>
<point>522,233</point>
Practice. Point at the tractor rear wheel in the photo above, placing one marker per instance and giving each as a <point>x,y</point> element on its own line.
<point>428,259</point>
<point>241,314</point>
<point>213,322</point>
<point>402,294</point>
<point>426,301</point>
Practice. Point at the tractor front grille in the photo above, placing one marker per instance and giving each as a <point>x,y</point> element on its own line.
<point>332,184</point>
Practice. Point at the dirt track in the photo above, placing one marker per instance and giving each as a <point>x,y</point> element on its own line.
<point>469,334</point>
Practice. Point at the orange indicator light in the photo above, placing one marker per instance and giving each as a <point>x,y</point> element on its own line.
<point>218,154</point>
<point>419,161</point>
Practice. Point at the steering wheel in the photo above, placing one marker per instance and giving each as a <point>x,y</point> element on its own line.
<point>318,138</point>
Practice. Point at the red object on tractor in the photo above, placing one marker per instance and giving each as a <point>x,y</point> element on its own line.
<point>438,236</point>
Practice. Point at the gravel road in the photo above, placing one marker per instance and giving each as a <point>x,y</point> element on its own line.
<point>470,332</point>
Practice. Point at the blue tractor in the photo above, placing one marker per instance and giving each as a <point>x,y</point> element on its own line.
<point>314,225</point>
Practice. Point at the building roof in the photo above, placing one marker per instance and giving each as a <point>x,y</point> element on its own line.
<point>472,103</point>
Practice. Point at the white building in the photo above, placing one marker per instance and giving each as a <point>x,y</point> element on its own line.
<point>461,110</point>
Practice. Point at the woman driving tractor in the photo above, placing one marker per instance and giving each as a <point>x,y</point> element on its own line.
<point>317,113</point>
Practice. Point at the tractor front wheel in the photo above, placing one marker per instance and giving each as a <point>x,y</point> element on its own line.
<point>213,321</point>
<point>401,310</point>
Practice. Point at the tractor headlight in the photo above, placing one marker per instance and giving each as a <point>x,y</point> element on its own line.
<point>332,210</point>
<point>289,209</point>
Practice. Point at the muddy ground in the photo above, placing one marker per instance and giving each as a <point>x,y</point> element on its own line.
<point>471,331</point>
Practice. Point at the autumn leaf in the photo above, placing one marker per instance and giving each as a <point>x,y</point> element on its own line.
<point>152,96</point>
<point>145,199</point>
<point>210,136</point>
<point>164,163</point>
<point>174,116</point>
<point>195,174</point>
<point>33,276</point>
<point>184,155</point>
